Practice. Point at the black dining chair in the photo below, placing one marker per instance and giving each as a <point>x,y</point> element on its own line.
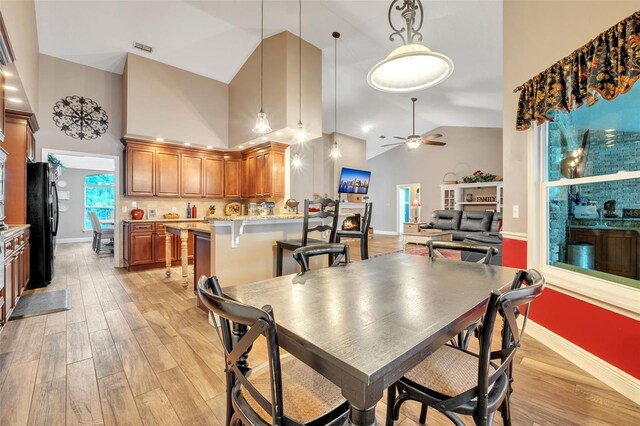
<point>455,381</point>
<point>361,234</point>
<point>283,390</point>
<point>487,251</point>
<point>325,208</point>
<point>337,251</point>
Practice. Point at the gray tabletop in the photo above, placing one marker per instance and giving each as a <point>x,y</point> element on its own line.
<point>364,325</point>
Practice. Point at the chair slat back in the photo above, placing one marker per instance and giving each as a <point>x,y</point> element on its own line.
<point>249,323</point>
<point>338,251</point>
<point>487,251</point>
<point>328,208</point>
<point>366,218</point>
<point>95,222</point>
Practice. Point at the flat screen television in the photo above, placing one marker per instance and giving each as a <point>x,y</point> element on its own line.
<point>354,181</point>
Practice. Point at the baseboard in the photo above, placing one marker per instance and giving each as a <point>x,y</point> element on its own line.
<point>73,240</point>
<point>609,374</point>
<point>375,231</point>
<point>514,235</point>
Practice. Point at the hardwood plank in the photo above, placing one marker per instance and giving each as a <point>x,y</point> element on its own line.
<point>83,399</point>
<point>105,356</point>
<point>29,344</point>
<point>165,332</point>
<point>16,392</point>
<point>139,373</point>
<point>95,318</point>
<point>76,313</point>
<point>218,406</point>
<point>157,355</point>
<point>204,380</point>
<point>118,325</point>
<point>5,363</point>
<point>56,323</point>
<point>78,343</point>
<point>53,360</point>
<point>185,399</point>
<point>118,405</point>
<point>133,316</point>
<point>156,409</point>
<point>48,406</point>
<point>11,335</point>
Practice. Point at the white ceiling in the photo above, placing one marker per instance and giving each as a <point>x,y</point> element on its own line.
<point>214,38</point>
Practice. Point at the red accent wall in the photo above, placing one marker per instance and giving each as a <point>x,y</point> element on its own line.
<point>609,336</point>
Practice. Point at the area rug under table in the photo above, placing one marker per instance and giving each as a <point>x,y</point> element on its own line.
<point>41,304</point>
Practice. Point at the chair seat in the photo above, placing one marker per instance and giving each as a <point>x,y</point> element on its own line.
<point>307,396</point>
<point>106,232</point>
<point>449,371</point>
<point>297,243</point>
<point>350,234</point>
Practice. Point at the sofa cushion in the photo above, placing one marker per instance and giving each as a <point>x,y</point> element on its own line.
<point>496,222</point>
<point>445,219</point>
<point>478,221</point>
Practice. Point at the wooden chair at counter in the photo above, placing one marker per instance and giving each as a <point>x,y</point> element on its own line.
<point>323,208</point>
<point>362,234</point>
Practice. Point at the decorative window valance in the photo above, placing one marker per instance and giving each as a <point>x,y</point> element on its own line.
<point>607,66</point>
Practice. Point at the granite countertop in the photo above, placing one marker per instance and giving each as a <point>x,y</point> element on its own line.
<point>194,226</point>
<point>182,219</point>
<point>605,227</point>
<point>285,216</point>
<point>623,224</point>
<point>14,229</point>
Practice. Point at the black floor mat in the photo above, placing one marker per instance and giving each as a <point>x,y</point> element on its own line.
<point>41,304</point>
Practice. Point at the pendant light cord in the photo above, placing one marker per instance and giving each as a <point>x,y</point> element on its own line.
<point>413,131</point>
<point>335,87</point>
<point>261,55</point>
<point>299,61</point>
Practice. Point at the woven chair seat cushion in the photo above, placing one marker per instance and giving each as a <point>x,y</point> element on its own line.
<point>306,395</point>
<point>448,371</point>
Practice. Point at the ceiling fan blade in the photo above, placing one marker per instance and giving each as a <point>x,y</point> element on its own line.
<point>434,143</point>
<point>392,144</point>
<point>398,137</point>
<point>432,136</point>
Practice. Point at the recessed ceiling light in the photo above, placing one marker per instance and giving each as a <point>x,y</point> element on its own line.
<point>252,143</point>
<point>366,128</point>
<point>7,74</point>
<point>10,88</point>
<point>160,139</point>
<point>187,144</point>
<point>264,138</point>
<point>279,133</point>
<point>15,100</point>
<point>209,146</point>
<point>610,130</point>
<point>240,146</point>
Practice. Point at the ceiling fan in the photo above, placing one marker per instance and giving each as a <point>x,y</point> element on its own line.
<point>413,141</point>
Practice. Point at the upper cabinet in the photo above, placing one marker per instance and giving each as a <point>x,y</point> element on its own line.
<point>164,170</point>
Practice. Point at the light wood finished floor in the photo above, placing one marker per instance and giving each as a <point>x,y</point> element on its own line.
<point>135,350</point>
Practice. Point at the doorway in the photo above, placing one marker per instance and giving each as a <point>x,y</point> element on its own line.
<point>88,183</point>
<point>408,205</point>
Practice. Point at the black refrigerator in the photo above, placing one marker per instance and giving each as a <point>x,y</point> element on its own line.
<point>42,215</point>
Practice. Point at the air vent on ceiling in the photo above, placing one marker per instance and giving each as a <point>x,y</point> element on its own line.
<point>143,47</point>
<point>382,136</point>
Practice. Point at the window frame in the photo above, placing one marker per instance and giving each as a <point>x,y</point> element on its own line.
<point>84,203</point>
<point>608,294</point>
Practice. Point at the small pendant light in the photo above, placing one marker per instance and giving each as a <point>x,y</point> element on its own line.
<point>335,149</point>
<point>300,135</point>
<point>262,122</point>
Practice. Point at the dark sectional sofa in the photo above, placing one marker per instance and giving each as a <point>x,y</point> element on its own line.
<point>481,227</point>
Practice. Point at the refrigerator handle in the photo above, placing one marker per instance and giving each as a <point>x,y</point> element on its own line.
<point>56,210</point>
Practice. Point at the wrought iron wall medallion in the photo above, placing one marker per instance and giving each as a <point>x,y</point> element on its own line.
<point>80,117</point>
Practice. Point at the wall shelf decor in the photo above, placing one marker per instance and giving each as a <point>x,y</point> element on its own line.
<point>80,117</point>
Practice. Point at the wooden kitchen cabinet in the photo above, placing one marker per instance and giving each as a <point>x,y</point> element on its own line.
<point>167,167</point>
<point>264,171</point>
<point>213,177</point>
<point>140,171</point>
<point>16,269</point>
<point>192,176</point>
<point>232,177</point>
<point>616,251</point>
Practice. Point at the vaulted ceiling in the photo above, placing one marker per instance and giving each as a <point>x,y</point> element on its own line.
<point>214,38</point>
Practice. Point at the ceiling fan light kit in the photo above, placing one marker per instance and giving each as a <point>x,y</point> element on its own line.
<point>412,66</point>
<point>413,141</point>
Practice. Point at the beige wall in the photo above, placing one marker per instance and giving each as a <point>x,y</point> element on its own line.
<point>468,149</point>
<point>538,33</point>
<point>174,104</point>
<point>280,89</point>
<point>20,20</point>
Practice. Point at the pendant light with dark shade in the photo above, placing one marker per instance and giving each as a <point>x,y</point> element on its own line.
<point>300,135</point>
<point>262,122</point>
<point>335,149</point>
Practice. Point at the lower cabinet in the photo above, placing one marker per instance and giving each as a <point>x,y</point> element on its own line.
<point>202,260</point>
<point>16,270</point>
<point>145,246</point>
<point>616,251</point>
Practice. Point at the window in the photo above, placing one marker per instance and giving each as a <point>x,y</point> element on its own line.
<point>99,197</point>
<point>591,191</point>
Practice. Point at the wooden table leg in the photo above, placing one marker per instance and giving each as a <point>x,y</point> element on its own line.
<point>184,236</point>
<point>167,252</point>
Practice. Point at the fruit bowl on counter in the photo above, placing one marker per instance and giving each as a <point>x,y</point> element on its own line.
<point>171,216</point>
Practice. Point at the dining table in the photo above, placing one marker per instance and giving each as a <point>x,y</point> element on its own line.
<point>365,324</point>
